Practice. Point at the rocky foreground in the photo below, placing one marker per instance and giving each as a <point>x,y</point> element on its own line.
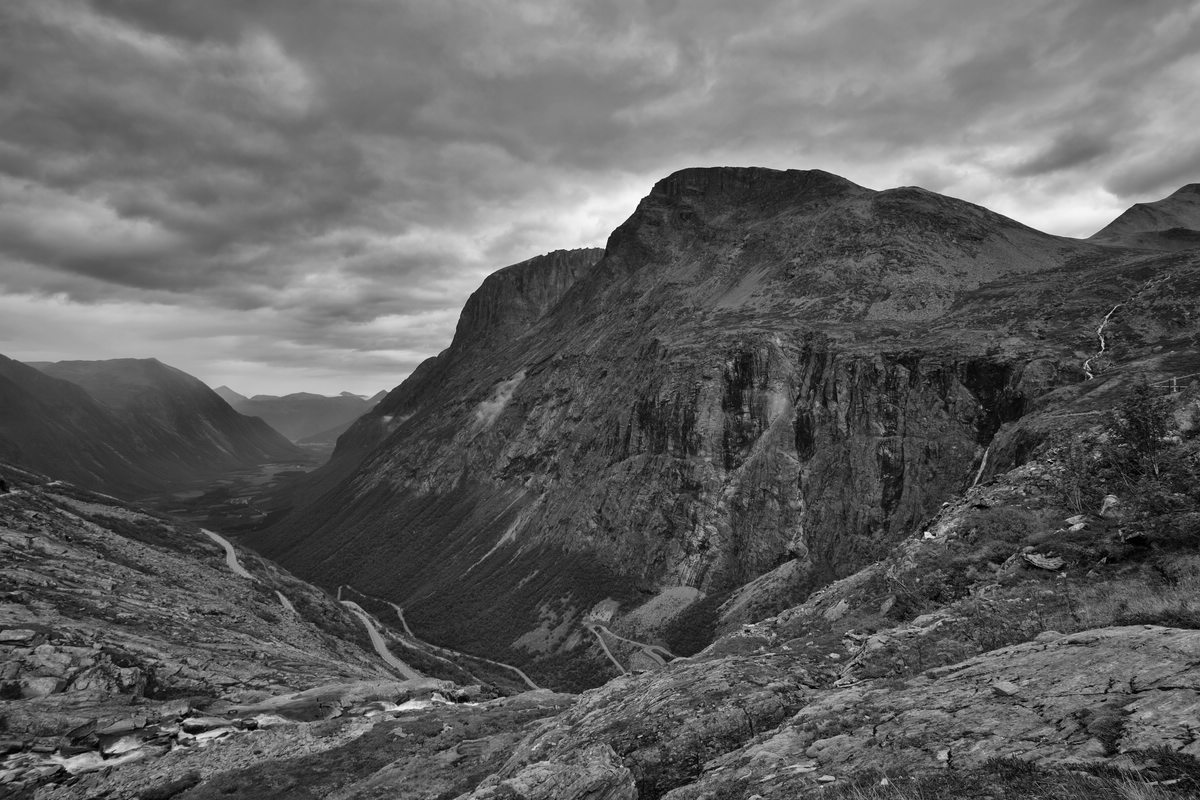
<point>136,661</point>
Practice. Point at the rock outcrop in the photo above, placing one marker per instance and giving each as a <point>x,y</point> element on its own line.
<point>1060,699</point>
<point>738,726</point>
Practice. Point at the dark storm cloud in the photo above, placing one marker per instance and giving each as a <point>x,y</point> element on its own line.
<point>1069,150</point>
<point>1159,172</point>
<point>351,170</point>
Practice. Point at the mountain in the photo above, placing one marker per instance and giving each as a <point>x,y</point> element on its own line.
<point>766,380</point>
<point>303,415</point>
<point>127,426</point>
<point>1172,223</point>
<point>329,436</point>
<point>230,396</point>
<point>55,426</point>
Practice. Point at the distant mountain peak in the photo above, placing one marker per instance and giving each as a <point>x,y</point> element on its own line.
<point>1172,223</point>
<point>229,395</point>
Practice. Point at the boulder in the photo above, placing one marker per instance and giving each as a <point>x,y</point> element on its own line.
<point>17,636</point>
<point>1112,507</point>
<point>39,686</point>
<point>200,724</point>
<point>1044,562</point>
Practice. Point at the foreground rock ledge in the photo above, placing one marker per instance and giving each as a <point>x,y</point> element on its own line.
<point>724,727</point>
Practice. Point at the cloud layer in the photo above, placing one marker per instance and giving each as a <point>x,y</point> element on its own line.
<point>299,194</point>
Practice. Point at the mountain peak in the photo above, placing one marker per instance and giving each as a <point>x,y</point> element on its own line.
<point>740,182</point>
<point>229,395</point>
<point>1172,223</point>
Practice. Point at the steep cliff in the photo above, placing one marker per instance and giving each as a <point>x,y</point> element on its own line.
<point>766,369</point>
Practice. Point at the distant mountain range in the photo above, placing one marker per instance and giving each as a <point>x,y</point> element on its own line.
<point>126,426</point>
<point>304,417</point>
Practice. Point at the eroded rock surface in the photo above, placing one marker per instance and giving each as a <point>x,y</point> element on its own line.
<point>125,637</point>
<point>654,731</point>
<point>1086,696</point>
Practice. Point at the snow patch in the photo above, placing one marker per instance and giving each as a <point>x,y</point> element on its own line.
<point>490,409</point>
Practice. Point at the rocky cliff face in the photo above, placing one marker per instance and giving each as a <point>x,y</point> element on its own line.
<point>765,370</point>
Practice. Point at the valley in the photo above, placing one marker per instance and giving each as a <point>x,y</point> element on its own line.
<point>239,500</point>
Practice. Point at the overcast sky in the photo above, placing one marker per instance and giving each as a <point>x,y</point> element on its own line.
<point>286,195</point>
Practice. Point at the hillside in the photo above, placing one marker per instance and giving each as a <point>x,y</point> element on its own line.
<point>140,657</point>
<point>55,426</point>
<point>767,380</point>
<point>129,426</point>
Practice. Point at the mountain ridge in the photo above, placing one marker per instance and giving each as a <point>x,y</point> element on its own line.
<point>1172,223</point>
<point>129,426</point>
<point>304,415</point>
<point>764,368</point>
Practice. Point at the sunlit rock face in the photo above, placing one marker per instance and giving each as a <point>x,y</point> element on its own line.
<point>762,369</point>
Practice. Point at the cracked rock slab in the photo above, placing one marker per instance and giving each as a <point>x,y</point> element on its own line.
<point>1081,697</point>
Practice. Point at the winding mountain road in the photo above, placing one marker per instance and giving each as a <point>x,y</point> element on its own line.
<point>420,644</point>
<point>656,653</point>
<point>377,641</point>
<point>231,559</point>
<point>604,647</point>
<point>235,566</point>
